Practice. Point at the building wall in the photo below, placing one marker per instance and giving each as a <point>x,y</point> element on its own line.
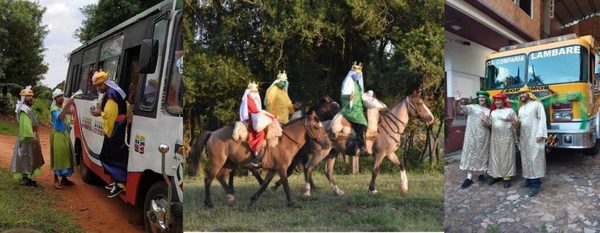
<point>511,11</point>
<point>585,27</point>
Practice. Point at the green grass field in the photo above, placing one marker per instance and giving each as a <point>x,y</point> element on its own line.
<point>31,208</point>
<point>8,128</point>
<point>421,209</point>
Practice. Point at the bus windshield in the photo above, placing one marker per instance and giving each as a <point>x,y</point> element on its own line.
<point>557,65</point>
<point>505,72</point>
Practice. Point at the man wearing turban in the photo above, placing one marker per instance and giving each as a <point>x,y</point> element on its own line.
<point>61,148</point>
<point>27,157</point>
<point>113,110</point>
<point>502,163</point>
<point>476,146</point>
<point>533,132</point>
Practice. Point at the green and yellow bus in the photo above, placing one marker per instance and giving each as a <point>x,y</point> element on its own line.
<point>561,73</point>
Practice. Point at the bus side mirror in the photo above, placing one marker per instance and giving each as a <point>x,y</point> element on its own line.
<point>148,56</point>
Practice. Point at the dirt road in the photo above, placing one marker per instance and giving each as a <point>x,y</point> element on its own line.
<point>93,211</point>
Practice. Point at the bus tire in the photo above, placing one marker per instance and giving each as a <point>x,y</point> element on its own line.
<point>593,150</point>
<point>86,174</point>
<point>155,207</point>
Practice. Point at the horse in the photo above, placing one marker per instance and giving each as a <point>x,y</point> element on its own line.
<point>390,128</point>
<point>225,154</point>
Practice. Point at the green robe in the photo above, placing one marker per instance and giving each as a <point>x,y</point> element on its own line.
<point>355,114</point>
<point>61,148</point>
<point>27,155</point>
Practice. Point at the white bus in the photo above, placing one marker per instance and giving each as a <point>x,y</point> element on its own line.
<point>144,55</point>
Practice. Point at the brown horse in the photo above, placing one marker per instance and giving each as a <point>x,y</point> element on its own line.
<point>390,128</point>
<point>225,154</point>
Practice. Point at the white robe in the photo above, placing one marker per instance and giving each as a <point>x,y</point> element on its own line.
<point>533,125</point>
<point>476,146</point>
<point>502,145</point>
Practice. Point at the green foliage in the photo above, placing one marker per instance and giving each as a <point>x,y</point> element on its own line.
<point>8,127</point>
<point>107,14</point>
<point>41,108</point>
<point>21,42</point>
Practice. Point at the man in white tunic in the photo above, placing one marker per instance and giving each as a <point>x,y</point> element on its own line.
<point>475,150</point>
<point>502,146</point>
<point>533,132</point>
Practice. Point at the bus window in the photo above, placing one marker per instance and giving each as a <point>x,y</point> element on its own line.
<point>109,57</point>
<point>87,66</point>
<point>175,91</point>
<point>152,81</point>
<point>597,69</point>
<point>505,72</point>
<point>558,65</point>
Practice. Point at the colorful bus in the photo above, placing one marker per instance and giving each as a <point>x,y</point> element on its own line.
<point>561,73</point>
<point>144,56</point>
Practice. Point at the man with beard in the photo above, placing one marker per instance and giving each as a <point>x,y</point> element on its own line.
<point>113,110</point>
<point>476,146</point>
<point>277,101</point>
<point>533,132</point>
<point>61,148</point>
<point>27,157</point>
<point>352,105</point>
<point>502,163</point>
<point>251,112</point>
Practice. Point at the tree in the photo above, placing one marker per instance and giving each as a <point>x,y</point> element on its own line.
<point>21,42</point>
<point>107,14</point>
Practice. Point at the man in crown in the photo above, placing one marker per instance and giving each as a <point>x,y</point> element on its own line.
<point>352,106</point>
<point>113,110</point>
<point>277,101</point>
<point>251,112</point>
<point>27,157</point>
<point>61,148</point>
<point>533,132</point>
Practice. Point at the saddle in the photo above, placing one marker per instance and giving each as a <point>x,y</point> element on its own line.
<point>273,132</point>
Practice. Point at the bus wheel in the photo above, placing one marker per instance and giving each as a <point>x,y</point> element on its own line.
<point>594,150</point>
<point>86,174</point>
<point>155,208</point>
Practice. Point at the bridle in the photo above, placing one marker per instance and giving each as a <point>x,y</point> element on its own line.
<point>394,124</point>
<point>309,132</point>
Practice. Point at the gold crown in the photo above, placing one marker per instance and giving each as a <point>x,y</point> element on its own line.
<point>282,75</point>
<point>357,67</point>
<point>253,86</point>
<point>26,92</point>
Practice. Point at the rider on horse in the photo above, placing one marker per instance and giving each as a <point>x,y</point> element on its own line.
<point>277,101</point>
<point>251,112</point>
<point>352,106</point>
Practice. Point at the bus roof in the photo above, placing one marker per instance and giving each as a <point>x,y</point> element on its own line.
<point>586,41</point>
<point>122,25</point>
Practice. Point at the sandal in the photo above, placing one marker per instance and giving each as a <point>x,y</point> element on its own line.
<point>57,186</point>
<point>67,182</point>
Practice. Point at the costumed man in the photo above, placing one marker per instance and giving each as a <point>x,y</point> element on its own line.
<point>251,112</point>
<point>61,148</point>
<point>27,157</point>
<point>502,164</point>
<point>113,110</point>
<point>352,106</point>
<point>277,101</point>
<point>533,132</point>
<point>476,146</point>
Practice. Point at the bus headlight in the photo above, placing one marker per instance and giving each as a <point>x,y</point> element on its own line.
<point>562,115</point>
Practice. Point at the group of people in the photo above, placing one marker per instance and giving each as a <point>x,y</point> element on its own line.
<point>280,107</point>
<point>493,133</point>
<point>27,156</point>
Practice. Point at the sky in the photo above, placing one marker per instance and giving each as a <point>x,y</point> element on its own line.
<point>62,18</point>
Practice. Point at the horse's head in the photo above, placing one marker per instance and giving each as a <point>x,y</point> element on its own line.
<point>417,107</point>
<point>326,108</point>
<point>315,130</point>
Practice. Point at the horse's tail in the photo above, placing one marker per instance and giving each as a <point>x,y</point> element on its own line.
<point>196,152</point>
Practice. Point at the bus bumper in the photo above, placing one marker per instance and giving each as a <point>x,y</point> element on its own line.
<point>571,140</point>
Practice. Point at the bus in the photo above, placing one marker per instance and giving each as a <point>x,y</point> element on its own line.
<point>144,56</point>
<point>561,73</point>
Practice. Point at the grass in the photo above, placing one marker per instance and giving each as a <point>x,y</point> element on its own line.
<point>8,127</point>
<point>421,209</point>
<point>31,208</point>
